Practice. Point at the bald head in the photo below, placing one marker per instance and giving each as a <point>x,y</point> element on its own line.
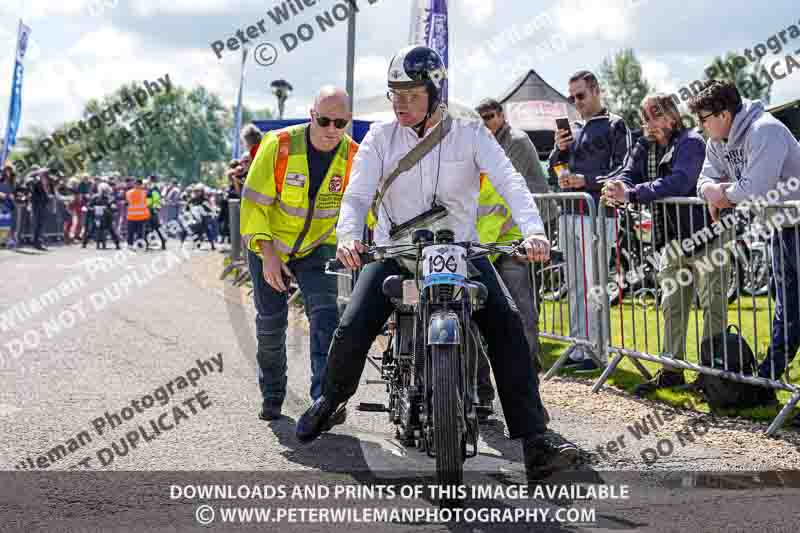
<point>331,95</point>
<point>331,106</point>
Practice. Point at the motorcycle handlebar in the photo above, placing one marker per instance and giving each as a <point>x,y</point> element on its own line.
<point>335,264</point>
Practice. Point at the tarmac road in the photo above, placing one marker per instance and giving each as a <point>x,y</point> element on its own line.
<point>156,329</point>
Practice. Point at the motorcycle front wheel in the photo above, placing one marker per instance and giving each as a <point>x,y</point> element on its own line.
<point>447,415</point>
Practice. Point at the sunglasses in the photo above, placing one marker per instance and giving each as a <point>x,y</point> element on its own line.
<point>704,118</point>
<point>581,96</point>
<point>338,123</point>
<point>487,116</point>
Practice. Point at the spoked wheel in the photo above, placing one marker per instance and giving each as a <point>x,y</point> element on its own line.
<point>757,274</point>
<point>448,430</point>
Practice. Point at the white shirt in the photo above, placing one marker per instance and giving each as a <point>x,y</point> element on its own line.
<point>458,160</point>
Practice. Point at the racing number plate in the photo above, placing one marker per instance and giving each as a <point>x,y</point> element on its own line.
<point>444,262</point>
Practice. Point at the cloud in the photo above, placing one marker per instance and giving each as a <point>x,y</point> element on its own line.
<point>370,75</point>
<point>29,10</point>
<point>106,44</point>
<point>151,8</point>
<point>606,19</point>
<point>300,109</point>
<point>478,11</point>
<point>659,75</point>
<point>786,90</point>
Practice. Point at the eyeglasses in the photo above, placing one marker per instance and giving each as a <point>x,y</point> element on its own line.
<point>411,98</point>
<point>338,123</point>
<point>487,117</point>
<point>704,118</point>
<point>655,114</point>
<point>581,96</point>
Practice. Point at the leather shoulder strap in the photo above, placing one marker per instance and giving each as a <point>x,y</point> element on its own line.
<point>412,158</point>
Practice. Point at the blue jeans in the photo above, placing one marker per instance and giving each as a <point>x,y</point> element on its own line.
<point>319,295</point>
<point>578,245</point>
<point>786,322</point>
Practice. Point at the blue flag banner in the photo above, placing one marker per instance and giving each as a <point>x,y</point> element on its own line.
<point>15,105</point>
<point>429,27</point>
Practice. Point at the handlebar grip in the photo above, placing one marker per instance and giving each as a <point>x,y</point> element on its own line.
<point>335,264</point>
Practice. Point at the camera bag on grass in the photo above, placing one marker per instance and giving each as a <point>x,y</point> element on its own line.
<point>723,393</point>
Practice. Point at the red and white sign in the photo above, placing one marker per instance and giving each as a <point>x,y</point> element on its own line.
<point>535,114</point>
<point>335,184</point>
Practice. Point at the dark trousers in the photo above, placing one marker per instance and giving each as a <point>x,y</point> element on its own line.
<point>154,226</point>
<point>39,214</point>
<point>319,298</point>
<point>136,231</point>
<point>519,282</point>
<point>786,322</point>
<point>198,230</point>
<point>100,235</point>
<point>499,322</point>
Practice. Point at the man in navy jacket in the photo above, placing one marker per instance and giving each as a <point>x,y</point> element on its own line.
<point>666,164</point>
<point>595,153</point>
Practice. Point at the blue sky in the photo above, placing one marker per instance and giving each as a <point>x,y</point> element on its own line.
<point>85,48</point>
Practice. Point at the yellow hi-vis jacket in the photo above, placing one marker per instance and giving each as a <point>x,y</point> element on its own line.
<point>275,203</point>
<point>494,217</point>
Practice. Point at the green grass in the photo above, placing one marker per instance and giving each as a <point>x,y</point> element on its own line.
<point>644,332</point>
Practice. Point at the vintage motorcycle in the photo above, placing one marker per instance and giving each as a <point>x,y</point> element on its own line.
<point>430,365</point>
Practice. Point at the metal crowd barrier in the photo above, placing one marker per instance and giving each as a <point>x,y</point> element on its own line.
<point>565,282</point>
<point>53,229</point>
<point>700,273</point>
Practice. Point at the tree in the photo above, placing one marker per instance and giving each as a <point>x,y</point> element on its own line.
<point>190,130</point>
<point>249,115</point>
<point>193,127</point>
<point>747,79</point>
<point>625,86</point>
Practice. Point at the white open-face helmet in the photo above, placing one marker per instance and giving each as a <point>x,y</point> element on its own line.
<point>418,66</point>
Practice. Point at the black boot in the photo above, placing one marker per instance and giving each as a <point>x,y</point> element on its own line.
<point>547,453</point>
<point>321,416</point>
<point>270,411</point>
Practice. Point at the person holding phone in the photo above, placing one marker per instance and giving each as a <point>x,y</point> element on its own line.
<point>583,162</point>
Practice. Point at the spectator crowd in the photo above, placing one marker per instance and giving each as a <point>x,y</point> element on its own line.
<point>42,207</point>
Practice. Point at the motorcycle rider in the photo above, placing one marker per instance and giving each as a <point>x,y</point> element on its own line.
<point>447,176</point>
<point>199,213</point>
<point>101,206</point>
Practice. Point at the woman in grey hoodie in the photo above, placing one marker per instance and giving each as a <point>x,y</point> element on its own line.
<point>753,159</point>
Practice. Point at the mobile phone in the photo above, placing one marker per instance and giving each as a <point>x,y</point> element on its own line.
<point>562,123</point>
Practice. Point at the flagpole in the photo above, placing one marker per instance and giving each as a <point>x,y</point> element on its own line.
<point>351,63</point>
<point>238,121</point>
